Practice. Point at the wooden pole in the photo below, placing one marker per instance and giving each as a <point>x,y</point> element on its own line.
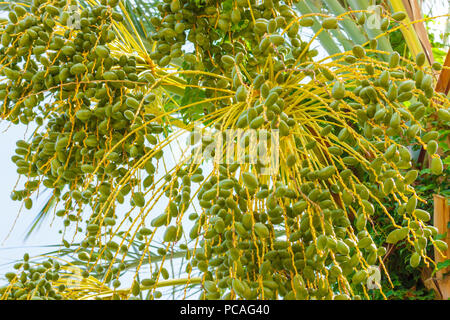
<point>441,222</point>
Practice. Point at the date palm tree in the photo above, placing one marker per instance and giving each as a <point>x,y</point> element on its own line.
<point>114,85</point>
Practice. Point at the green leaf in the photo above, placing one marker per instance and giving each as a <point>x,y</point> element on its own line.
<point>443,265</point>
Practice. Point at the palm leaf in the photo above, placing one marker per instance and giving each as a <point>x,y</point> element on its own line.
<point>41,216</point>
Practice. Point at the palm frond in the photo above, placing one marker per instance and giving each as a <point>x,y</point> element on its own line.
<point>41,216</point>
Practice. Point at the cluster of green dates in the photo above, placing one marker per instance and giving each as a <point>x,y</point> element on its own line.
<point>240,246</point>
<point>33,282</point>
<point>255,34</point>
<point>320,248</point>
<point>88,111</point>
